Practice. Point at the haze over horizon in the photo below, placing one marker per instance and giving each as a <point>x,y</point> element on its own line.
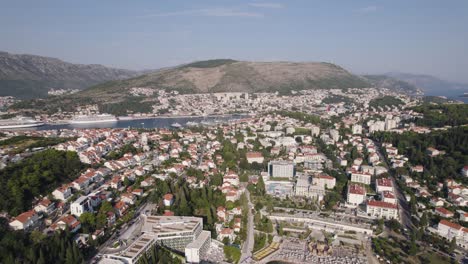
<point>423,37</point>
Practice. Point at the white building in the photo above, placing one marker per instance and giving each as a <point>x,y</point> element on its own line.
<point>62,193</point>
<point>384,184</point>
<point>390,124</point>
<point>25,220</point>
<point>303,188</point>
<point>335,135</point>
<point>356,194</point>
<point>281,169</point>
<point>323,180</point>
<point>254,157</point>
<point>196,251</point>
<point>356,129</point>
<point>449,230</point>
<point>176,233</point>
<point>361,177</point>
<point>314,130</point>
<point>382,209</point>
<point>389,197</point>
<point>81,205</point>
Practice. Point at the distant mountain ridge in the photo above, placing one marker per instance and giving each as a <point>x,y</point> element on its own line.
<point>30,76</point>
<point>397,85</point>
<point>431,85</point>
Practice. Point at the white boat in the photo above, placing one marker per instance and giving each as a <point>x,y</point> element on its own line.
<point>192,124</point>
<point>19,122</point>
<point>176,125</point>
<point>93,119</point>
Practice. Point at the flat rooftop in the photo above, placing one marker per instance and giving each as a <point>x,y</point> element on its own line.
<point>198,243</point>
<point>170,224</point>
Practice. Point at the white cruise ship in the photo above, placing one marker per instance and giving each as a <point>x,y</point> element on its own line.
<point>19,122</point>
<point>93,119</point>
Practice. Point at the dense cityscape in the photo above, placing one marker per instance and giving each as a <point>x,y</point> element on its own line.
<point>234,132</point>
<point>335,183</point>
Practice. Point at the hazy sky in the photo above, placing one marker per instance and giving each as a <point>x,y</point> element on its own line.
<point>416,36</point>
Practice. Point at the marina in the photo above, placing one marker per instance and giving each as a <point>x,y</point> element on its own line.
<point>146,123</point>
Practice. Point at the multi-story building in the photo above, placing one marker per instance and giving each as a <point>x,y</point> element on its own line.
<point>449,230</point>
<point>389,197</point>
<point>382,209</point>
<point>361,177</point>
<point>356,194</point>
<point>303,188</point>
<point>81,205</point>
<point>324,181</point>
<point>182,234</point>
<point>384,184</point>
<point>282,169</point>
<point>196,250</point>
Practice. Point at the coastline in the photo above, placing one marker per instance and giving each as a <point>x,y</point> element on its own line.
<point>130,118</point>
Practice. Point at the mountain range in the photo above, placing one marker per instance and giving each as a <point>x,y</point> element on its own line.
<point>30,76</point>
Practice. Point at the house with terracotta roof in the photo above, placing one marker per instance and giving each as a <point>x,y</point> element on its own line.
<point>221,213</point>
<point>168,199</point>
<point>441,211</point>
<point>25,220</point>
<point>121,208</point>
<point>237,224</point>
<point>356,194</point>
<point>226,233</point>
<point>62,193</point>
<point>254,157</point>
<point>450,230</point>
<point>67,221</point>
<point>45,206</point>
<point>380,209</point>
<point>432,152</point>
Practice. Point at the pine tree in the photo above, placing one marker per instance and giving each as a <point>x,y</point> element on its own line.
<point>41,259</point>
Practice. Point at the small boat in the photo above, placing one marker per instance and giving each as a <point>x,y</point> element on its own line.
<point>192,124</point>
<point>176,125</point>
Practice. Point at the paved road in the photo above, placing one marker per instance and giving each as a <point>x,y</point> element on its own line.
<point>247,248</point>
<point>404,210</point>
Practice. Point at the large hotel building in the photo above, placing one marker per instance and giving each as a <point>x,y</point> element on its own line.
<point>178,233</point>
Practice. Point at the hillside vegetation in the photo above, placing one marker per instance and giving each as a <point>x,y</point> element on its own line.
<point>35,176</point>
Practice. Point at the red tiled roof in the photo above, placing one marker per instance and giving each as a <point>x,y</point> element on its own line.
<point>24,217</point>
<point>443,211</point>
<point>254,155</point>
<point>381,204</point>
<point>356,189</point>
<point>450,224</point>
<point>385,182</point>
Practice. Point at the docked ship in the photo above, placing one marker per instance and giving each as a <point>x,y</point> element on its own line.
<point>19,122</point>
<point>93,119</point>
